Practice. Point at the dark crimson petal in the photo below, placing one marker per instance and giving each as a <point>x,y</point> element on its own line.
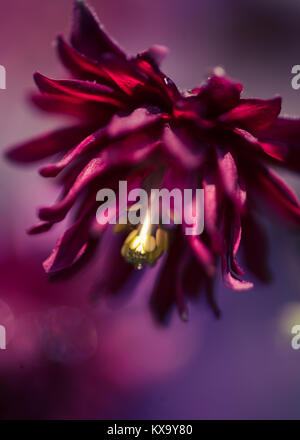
<point>155,54</point>
<point>164,294</point>
<point>119,126</point>
<point>193,276</point>
<point>230,178</point>
<point>212,206</point>
<point>88,112</point>
<point>122,74</point>
<point>77,63</point>
<point>285,133</point>
<point>82,90</point>
<point>121,154</point>
<point>87,143</point>
<point>88,36</point>
<point>181,148</point>
<point>266,150</point>
<point>278,194</point>
<point>231,271</point>
<point>48,144</point>
<point>203,254</point>
<point>113,269</point>
<point>253,114</point>
<point>113,71</point>
<point>40,228</point>
<point>255,248</point>
<point>219,95</point>
<point>148,62</point>
<point>72,243</point>
<point>231,280</point>
<point>57,212</point>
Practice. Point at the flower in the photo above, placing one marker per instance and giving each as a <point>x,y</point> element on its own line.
<point>134,124</point>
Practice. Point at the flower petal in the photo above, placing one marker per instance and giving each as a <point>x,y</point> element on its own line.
<point>231,271</point>
<point>278,194</point>
<point>119,126</point>
<point>126,152</point>
<point>253,114</point>
<point>181,147</point>
<point>255,248</point>
<point>82,90</point>
<point>203,254</point>
<point>285,133</point>
<point>48,144</point>
<point>230,178</point>
<point>219,95</point>
<point>88,36</point>
<point>72,243</point>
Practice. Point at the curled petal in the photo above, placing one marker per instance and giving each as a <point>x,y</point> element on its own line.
<point>253,114</point>
<point>230,179</point>
<point>231,271</point>
<point>88,36</point>
<point>76,62</point>
<point>219,95</point>
<point>113,269</point>
<point>266,150</point>
<point>166,291</point>
<point>155,54</point>
<point>82,90</point>
<point>278,194</point>
<point>57,212</point>
<point>255,248</point>
<point>119,126</point>
<point>203,254</point>
<point>72,243</point>
<point>120,154</point>
<point>212,205</point>
<point>181,149</point>
<point>285,134</point>
<point>113,71</point>
<point>47,144</point>
<point>40,228</point>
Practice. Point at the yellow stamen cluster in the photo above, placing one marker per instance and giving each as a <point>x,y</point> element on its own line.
<point>141,247</point>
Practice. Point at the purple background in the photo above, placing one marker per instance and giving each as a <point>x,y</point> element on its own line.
<point>68,359</point>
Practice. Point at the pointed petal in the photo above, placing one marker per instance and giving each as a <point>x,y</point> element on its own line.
<point>219,95</point>
<point>119,126</point>
<point>87,35</point>
<point>40,228</point>
<point>231,271</point>
<point>253,114</point>
<point>114,271</point>
<point>47,144</point>
<point>255,248</point>
<point>72,243</point>
<point>82,90</point>
<point>203,254</point>
<point>285,133</point>
<point>126,152</point>
<point>181,148</point>
<point>278,194</point>
<point>230,178</point>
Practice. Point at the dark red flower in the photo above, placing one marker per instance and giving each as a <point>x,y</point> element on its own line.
<point>134,124</point>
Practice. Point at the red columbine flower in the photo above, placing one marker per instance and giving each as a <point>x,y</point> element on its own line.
<point>135,125</point>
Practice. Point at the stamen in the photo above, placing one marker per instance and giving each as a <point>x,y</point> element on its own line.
<point>142,247</point>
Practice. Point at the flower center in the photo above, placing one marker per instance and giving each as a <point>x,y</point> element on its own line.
<point>142,246</point>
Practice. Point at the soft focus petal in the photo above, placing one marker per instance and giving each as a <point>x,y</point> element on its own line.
<point>253,114</point>
<point>88,36</point>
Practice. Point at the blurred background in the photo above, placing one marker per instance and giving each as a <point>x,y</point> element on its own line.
<point>68,359</point>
